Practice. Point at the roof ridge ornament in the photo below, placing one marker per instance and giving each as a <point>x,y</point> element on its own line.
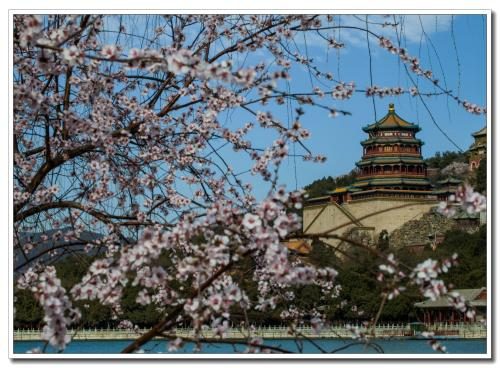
<point>391,108</point>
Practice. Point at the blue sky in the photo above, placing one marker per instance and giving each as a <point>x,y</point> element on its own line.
<point>339,138</point>
<point>454,47</point>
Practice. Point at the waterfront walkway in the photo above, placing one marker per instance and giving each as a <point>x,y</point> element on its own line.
<point>459,330</point>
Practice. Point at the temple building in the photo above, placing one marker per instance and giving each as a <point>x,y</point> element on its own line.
<point>392,163</point>
<point>447,187</point>
<point>477,150</point>
<point>391,187</point>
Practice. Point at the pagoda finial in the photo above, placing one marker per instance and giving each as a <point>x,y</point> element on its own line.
<point>391,108</point>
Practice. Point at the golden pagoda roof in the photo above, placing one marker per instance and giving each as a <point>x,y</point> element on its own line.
<point>391,121</point>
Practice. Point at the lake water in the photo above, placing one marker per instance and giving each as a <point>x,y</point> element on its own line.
<point>402,346</point>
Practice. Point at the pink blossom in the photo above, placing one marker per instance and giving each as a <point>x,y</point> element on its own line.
<point>110,51</point>
<point>251,221</point>
<point>73,55</point>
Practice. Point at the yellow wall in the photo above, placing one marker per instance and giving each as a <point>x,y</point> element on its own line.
<point>396,213</point>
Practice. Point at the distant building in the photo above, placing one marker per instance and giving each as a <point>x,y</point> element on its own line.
<point>441,310</point>
<point>477,150</point>
<point>392,163</point>
<point>447,187</point>
<point>391,187</point>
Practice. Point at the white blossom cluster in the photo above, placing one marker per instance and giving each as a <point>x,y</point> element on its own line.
<point>344,91</point>
<point>466,198</point>
<point>456,169</point>
<point>426,275</point>
<point>59,312</point>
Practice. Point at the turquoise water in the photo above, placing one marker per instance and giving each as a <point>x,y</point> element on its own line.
<point>458,346</point>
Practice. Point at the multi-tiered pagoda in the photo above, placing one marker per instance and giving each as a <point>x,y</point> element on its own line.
<point>478,149</point>
<point>391,165</point>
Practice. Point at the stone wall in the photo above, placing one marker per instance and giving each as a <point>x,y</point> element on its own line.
<point>418,231</point>
<point>373,215</point>
<point>430,224</point>
<point>408,222</point>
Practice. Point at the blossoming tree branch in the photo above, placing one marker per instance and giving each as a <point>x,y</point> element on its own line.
<point>118,130</point>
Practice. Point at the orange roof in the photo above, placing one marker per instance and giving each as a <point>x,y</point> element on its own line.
<point>340,190</point>
<point>300,246</point>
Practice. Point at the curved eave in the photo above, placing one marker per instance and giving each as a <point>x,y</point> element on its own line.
<point>384,140</point>
<point>443,191</point>
<point>374,127</point>
<point>477,146</point>
<point>390,160</point>
<point>480,133</point>
<point>449,181</point>
<point>392,181</point>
